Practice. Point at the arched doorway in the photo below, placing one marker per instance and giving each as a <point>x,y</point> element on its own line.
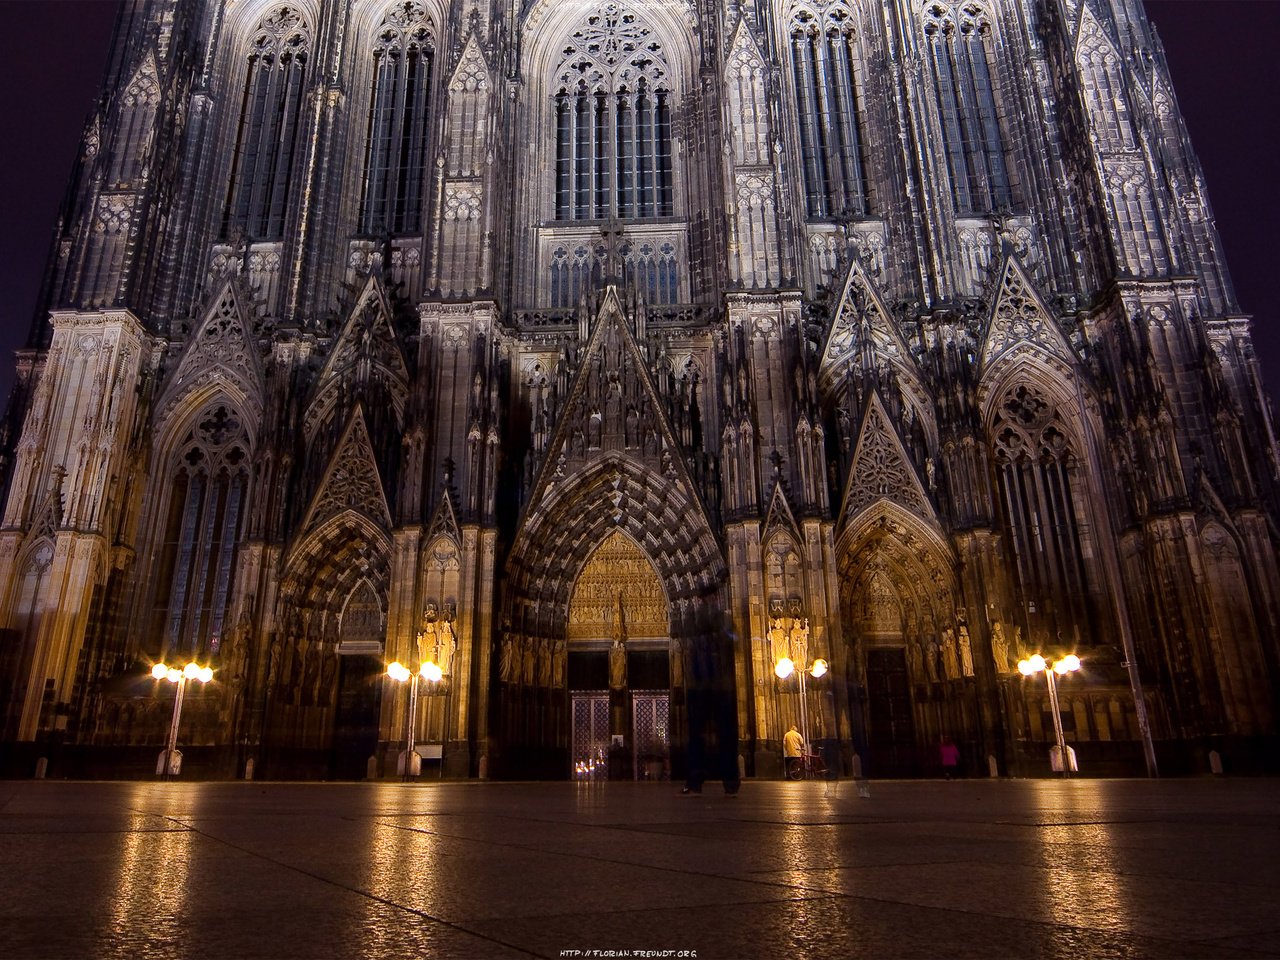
<point>361,628</point>
<point>650,523</point>
<point>619,669</point>
<point>911,663</point>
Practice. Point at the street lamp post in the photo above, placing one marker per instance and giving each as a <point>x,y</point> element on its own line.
<point>784,668</point>
<point>1059,668</point>
<point>169,757</point>
<point>400,673</point>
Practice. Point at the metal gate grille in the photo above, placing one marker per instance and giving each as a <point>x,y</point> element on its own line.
<point>650,735</point>
<point>591,736</point>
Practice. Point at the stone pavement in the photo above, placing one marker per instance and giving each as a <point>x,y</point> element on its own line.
<point>1085,868</point>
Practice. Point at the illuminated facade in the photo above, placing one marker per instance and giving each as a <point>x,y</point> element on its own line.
<point>544,341</point>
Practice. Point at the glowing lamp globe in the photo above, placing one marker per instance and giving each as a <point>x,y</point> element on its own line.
<point>786,666</point>
<point>159,671</point>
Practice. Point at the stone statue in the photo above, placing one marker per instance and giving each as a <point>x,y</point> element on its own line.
<point>950,662</point>
<point>506,660</point>
<point>526,671</point>
<point>559,665</point>
<point>915,660</point>
<point>677,664</point>
<point>426,640</point>
<point>1019,649</point>
<point>617,665</point>
<point>445,646</point>
<point>544,663</point>
<point>328,674</point>
<point>966,651</point>
<point>999,647</point>
<point>800,642</point>
<point>931,661</point>
<point>778,640</point>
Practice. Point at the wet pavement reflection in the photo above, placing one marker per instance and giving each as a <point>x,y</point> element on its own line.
<point>978,868</point>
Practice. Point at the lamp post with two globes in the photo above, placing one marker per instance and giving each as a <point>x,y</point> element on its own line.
<point>1059,668</point>
<point>170,760</point>
<point>398,672</point>
<point>784,668</point>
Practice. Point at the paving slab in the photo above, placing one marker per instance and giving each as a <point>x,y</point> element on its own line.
<point>1082,868</point>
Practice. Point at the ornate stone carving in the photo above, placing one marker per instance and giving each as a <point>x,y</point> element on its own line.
<point>881,469</point>
<point>352,481</point>
<point>1019,316</point>
<point>618,577</point>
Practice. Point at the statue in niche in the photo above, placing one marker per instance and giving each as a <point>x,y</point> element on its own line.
<point>950,662</point>
<point>446,644</point>
<point>618,665</point>
<point>778,639</point>
<point>544,663</point>
<point>999,647</point>
<point>915,660</point>
<point>310,672</point>
<point>527,657</point>
<point>506,660</point>
<point>931,661</point>
<point>1018,646</point>
<point>559,665</point>
<point>966,651</point>
<point>427,636</point>
<point>273,670</point>
<point>328,673</point>
<point>800,642</point>
<point>677,664</point>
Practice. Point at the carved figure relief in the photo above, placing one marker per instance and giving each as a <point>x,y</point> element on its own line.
<point>618,576</point>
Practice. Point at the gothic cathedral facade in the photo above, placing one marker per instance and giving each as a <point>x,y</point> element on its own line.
<point>606,353</point>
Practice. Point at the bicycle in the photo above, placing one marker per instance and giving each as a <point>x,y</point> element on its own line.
<point>808,767</point>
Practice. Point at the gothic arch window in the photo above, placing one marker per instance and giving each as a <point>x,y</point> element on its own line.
<point>1041,492</point>
<point>959,41</point>
<point>612,114</point>
<point>1104,91</point>
<point>396,141</point>
<point>209,479</point>
<point>267,134</point>
<point>137,114</point>
<point>823,58</point>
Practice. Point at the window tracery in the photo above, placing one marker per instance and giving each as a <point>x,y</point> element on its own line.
<point>823,58</point>
<point>210,475</point>
<point>396,140</point>
<point>138,106</point>
<point>1041,492</point>
<point>612,116</point>
<point>267,135</point>
<point>959,40</point>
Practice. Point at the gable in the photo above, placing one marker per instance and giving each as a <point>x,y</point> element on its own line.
<point>881,470</point>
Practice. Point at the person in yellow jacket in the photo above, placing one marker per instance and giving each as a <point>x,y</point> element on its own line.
<point>793,749</point>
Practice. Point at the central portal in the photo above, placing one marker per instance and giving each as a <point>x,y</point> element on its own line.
<point>620,671</point>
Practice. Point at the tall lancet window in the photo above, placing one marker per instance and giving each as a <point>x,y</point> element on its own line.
<point>1041,492</point>
<point>267,135</point>
<point>959,40</point>
<point>137,115</point>
<point>823,56</point>
<point>205,516</point>
<point>396,144</point>
<point>612,115</point>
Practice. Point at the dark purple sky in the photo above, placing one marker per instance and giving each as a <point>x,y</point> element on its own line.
<point>1222,54</point>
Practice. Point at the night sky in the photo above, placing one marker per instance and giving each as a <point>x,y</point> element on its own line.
<point>1222,54</point>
